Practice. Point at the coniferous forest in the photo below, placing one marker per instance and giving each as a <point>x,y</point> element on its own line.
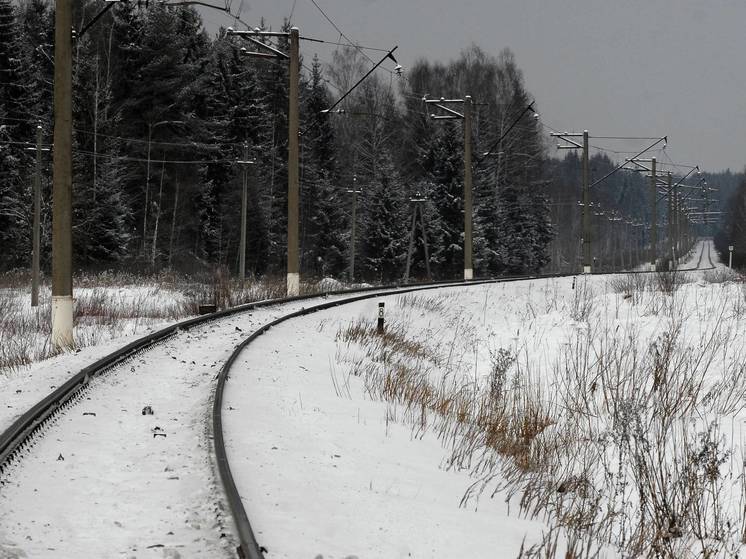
<point>163,111</point>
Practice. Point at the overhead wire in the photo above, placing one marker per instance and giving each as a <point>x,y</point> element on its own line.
<point>341,33</point>
<point>342,44</point>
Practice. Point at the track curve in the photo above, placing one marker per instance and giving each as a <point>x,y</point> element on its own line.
<point>23,431</point>
<point>125,365</point>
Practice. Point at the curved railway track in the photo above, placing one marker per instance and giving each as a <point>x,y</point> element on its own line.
<point>128,363</point>
<point>22,434</point>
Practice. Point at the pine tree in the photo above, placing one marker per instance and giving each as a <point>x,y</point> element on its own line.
<point>444,165</point>
<point>16,133</point>
<point>324,241</point>
<point>384,243</point>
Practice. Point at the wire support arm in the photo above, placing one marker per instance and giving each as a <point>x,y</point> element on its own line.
<point>389,54</point>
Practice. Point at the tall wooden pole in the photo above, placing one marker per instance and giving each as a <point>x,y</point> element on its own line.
<point>37,224</point>
<point>586,207</point>
<point>677,223</point>
<point>354,227</point>
<point>62,284</point>
<point>244,204</point>
<point>293,277</point>
<point>468,266</point>
<point>654,227</point>
<point>671,241</point>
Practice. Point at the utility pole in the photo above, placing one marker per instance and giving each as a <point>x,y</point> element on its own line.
<point>468,245</point>
<point>354,191</point>
<point>586,216</point>
<point>62,283</point>
<point>417,202</point>
<point>293,56</point>
<point>36,232</point>
<point>654,230</point>
<point>676,221</point>
<point>616,242</point>
<point>451,114</point>
<point>586,207</point>
<point>654,181</point>
<point>599,214</point>
<point>669,236</point>
<point>244,208</point>
<point>37,222</point>
<point>293,278</point>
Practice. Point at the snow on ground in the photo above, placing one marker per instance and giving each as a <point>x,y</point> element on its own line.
<point>109,485</point>
<point>97,336</point>
<point>702,255</point>
<point>328,470</point>
<point>324,467</point>
<point>22,388</point>
<point>322,471</point>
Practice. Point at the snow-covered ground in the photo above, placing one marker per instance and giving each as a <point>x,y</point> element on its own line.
<point>329,469</point>
<point>108,481</point>
<point>103,313</point>
<point>326,463</point>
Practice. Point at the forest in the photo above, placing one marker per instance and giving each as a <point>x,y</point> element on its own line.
<point>164,114</point>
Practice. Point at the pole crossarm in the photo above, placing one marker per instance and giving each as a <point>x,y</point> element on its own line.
<point>566,137</point>
<point>618,167</point>
<point>389,54</point>
<point>249,36</point>
<point>529,107</point>
<point>678,183</point>
<point>444,108</point>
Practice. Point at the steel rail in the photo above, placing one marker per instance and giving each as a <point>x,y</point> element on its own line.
<point>24,428</point>
<point>249,546</point>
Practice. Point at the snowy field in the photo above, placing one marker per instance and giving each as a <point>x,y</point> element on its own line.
<point>110,306</point>
<point>107,480</point>
<point>601,414</point>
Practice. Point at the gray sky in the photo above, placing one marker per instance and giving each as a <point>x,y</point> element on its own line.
<point>616,68</point>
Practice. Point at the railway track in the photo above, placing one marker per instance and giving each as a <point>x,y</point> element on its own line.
<point>137,364</point>
<point>26,431</point>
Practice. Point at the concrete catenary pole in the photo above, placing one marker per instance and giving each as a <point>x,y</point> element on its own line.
<point>671,241</point>
<point>62,284</point>
<point>244,204</point>
<point>586,207</point>
<point>37,224</point>
<point>353,239</point>
<point>654,225</point>
<point>468,267</point>
<point>293,277</point>
<point>676,225</point>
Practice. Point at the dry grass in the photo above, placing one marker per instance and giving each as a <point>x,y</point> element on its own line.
<point>722,275</point>
<point>619,444</point>
<point>109,305</point>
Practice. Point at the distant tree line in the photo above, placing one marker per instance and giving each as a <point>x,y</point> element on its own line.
<point>161,115</point>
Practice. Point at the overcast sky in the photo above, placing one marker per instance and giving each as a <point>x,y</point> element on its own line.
<point>615,68</point>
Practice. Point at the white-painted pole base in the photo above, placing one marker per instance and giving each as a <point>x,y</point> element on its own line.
<point>468,274</point>
<point>586,269</point>
<point>293,285</point>
<point>62,322</point>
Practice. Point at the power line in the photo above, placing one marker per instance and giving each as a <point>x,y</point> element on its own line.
<point>624,137</point>
<point>341,33</point>
<point>152,160</point>
<point>200,145</point>
<point>341,44</point>
<point>350,41</point>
